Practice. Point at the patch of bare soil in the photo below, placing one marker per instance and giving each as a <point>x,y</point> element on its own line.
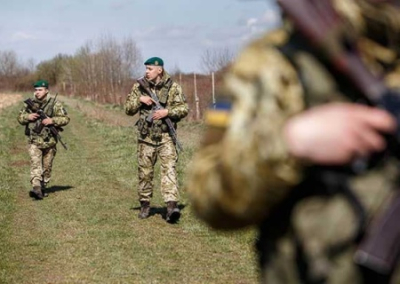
<point>20,163</point>
<point>9,99</point>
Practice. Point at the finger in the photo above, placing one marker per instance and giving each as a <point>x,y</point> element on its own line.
<point>384,121</point>
<point>371,139</point>
<point>361,142</point>
<point>378,119</point>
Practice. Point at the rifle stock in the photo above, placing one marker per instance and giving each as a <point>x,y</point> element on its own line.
<point>320,23</point>
<point>158,106</point>
<point>43,115</point>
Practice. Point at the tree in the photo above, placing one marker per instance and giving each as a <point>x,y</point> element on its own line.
<point>13,75</point>
<point>52,70</point>
<point>213,60</point>
<point>9,65</point>
<point>103,69</point>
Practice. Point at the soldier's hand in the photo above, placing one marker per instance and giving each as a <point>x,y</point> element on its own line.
<point>47,121</point>
<point>159,114</point>
<point>146,100</point>
<point>338,133</point>
<point>33,116</point>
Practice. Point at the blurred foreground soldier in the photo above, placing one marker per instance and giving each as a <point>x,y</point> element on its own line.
<point>289,150</point>
<point>41,140</point>
<point>154,138</point>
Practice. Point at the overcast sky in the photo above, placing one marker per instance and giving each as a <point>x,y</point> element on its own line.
<point>178,31</point>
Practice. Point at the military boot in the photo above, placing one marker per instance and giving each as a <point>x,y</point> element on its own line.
<point>43,185</point>
<point>36,193</point>
<point>173,212</point>
<point>144,209</point>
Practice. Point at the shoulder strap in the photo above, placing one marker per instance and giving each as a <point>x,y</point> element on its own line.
<point>164,94</point>
<point>48,108</point>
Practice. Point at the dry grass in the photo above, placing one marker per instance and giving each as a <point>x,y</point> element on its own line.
<point>9,99</point>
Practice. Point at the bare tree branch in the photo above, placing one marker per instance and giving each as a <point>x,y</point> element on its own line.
<point>213,60</point>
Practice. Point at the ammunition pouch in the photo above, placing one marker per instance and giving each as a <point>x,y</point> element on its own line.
<point>153,130</point>
<point>164,128</point>
<point>143,127</point>
<point>156,130</point>
<point>38,127</point>
<point>149,118</point>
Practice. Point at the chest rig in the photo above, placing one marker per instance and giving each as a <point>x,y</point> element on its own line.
<point>148,127</point>
<point>36,128</point>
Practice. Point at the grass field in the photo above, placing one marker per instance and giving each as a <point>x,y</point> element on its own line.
<point>87,230</point>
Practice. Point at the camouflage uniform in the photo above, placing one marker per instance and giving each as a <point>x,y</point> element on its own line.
<point>154,140</point>
<point>243,174</point>
<point>42,146</point>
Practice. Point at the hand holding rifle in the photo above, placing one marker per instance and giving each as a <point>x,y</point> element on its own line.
<point>46,121</point>
<point>156,114</point>
<point>159,112</point>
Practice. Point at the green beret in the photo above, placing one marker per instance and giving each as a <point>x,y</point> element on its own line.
<point>41,83</point>
<point>156,61</point>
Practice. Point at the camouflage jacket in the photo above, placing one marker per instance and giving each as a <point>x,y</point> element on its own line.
<point>55,110</point>
<point>243,172</point>
<point>170,96</point>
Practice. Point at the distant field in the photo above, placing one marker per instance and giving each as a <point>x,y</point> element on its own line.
<point>87,230</point>
<point>9,99</point>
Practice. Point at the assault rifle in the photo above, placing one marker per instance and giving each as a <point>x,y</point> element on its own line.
<point>158,106</point>
<point>43,116</point>
<point>331,40</point>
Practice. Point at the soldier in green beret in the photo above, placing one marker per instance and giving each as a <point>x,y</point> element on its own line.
<point>154,140</point>
<point>41,141</point>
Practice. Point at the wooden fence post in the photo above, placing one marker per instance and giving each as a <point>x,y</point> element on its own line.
<point>196,99</point>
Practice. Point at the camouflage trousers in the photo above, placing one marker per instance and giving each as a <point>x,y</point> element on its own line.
<point>41,164</point>
<point>147,158</point>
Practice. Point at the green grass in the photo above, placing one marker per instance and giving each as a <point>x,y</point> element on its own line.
<point>87,230</point>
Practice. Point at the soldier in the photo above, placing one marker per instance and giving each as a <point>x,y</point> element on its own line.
<point>286,111</point>
<point>154,140</point>
<point>41,141</point>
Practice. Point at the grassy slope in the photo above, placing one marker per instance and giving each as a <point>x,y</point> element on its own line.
<point>87,231</point>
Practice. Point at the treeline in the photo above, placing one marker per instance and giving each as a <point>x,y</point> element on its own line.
<point>14,74</point>
<point>104,71</point>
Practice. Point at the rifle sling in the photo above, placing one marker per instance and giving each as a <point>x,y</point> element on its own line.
<point>48,110</point>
